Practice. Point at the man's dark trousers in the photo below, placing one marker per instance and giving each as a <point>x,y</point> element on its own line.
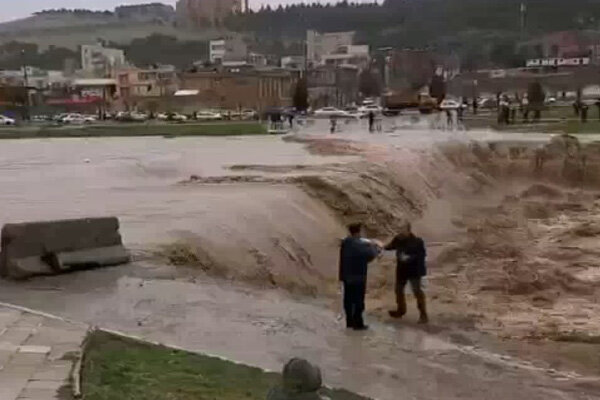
<point>354,303</point>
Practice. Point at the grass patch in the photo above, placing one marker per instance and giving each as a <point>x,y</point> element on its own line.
<point>136,130</point>
<point>124,369</point>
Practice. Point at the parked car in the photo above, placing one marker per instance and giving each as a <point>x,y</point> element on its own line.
<point>40,118</point>
<point>59,117</point>
<point>248,114</point>
<point>176,117</point>
<point>208,116</point>
<point>370,108</point>
<point>354,112</point>
<point>77,119</point>
<point>488,103</point>
<point>449,105</point>
<point>131,116</point>
<point>6,121</point>
<point>331,112</point>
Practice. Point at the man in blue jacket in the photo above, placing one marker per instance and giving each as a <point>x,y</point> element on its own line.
<point>410,268</point>
<point>355,254</point>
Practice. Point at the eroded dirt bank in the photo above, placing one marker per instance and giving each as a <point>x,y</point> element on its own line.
<point>511,245</point>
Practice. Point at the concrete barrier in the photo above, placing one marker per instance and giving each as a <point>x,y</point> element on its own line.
<point>52,247</point>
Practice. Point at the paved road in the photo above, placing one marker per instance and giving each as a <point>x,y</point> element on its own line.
<point>33,350</point>
<point>265,328</point>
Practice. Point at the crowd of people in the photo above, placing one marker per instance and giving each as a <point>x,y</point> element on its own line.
<point>357,252</point>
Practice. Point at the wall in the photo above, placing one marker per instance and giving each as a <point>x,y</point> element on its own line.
<point>134,83</point>
<point>256,90</point>
<point>101,61</point>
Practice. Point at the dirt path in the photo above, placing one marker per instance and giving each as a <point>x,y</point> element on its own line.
<point>265,328</point>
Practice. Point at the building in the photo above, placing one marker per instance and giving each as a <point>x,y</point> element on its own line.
<point>297,63</point>
<point>154,12</point>
<point>320,44</point>
<point>101,62</point>
<point>563,44</point>
<point>136,83</point>
<point>333,85</point>
<point>412,69</point>
<point>229,48</point>
<point>347,55</point>
<point>194,14</point>
<point>241,87</point>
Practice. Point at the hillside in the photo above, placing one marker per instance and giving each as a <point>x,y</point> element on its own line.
<point>70,28</point>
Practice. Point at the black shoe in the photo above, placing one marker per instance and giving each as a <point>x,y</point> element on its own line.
<point>361,327</point>
<point>396,314</point>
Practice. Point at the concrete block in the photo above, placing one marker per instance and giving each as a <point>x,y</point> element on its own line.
<point>98,257</point>
<point>45,248</point>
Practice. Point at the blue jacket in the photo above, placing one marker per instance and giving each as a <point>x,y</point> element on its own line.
<point>355,255</point>
<point>414,248</point>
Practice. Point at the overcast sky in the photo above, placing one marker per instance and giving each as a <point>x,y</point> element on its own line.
<point>22,8</point>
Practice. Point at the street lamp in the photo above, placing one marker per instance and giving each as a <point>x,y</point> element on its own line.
<point>25,84</point>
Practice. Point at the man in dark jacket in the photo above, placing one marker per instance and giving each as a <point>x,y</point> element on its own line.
<point>410,255</point>
<point>355,254</point>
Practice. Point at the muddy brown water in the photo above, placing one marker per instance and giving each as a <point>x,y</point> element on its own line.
<point>136,180</point>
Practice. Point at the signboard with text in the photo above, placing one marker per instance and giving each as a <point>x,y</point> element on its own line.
<point>558,62</point>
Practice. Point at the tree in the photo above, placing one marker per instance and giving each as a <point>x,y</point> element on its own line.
<point>437,88</point>
<point>368,84</point>
<point>536,98</point>
<point>301,95</point>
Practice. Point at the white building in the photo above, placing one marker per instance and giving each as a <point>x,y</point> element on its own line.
<point>293,62</point>
<point>227,49</point>
<point>348,55</point>
<point>320,44</point>
<point>100,61</point>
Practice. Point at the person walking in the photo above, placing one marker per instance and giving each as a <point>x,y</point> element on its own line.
<point>356,253</point>
<point>410,268</point>
<point>371,121</point>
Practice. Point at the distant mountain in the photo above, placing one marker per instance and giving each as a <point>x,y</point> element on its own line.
<point>65,18</point>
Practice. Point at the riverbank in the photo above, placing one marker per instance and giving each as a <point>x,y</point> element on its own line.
<point>135,130</point>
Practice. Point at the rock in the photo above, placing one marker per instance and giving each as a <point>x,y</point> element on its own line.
<point>300,381</point>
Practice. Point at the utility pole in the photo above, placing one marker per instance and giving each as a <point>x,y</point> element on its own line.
<point>25,84</point>
<point>522,14</point>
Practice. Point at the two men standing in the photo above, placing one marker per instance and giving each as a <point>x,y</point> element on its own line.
<point>355,255</point>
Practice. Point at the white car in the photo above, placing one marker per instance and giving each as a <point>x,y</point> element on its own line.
<point>6,121</point>
<point>331,112</point>
<point>355,112</point>
<point>208,116</point>
<point>449,105</point>
<point>77,119</point>
<point>371,108</point>
<point>177,117</point>
<point>249,114</point>
<point>162,116</point>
